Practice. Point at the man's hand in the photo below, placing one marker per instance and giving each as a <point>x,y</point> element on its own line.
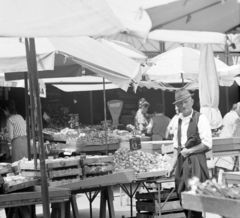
<point>185,152</point>
<point>170,172</point>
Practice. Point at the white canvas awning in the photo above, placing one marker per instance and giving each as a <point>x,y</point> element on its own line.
<point>57,18</point>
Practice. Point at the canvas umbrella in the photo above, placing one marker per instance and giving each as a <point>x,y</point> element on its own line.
<point>72,53</point>
<point>176,64</point>
<point>209,87</point>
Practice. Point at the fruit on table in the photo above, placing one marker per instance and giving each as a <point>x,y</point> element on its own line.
<point>11,180</point>
<point>140,161</point>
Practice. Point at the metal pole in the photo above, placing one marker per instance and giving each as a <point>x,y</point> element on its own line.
<point>91,107</point>
<point>226,55</point>
<point>105,116</point>
<point>27,114</point>
<point>182,79</point>
<point>32,105</point>
<point>44,182</point>
<point>162,51</point>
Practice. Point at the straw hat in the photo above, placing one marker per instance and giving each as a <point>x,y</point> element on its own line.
<point>181,95</point>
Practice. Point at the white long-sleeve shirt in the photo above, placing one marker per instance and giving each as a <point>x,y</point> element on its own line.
<point>204,130</point>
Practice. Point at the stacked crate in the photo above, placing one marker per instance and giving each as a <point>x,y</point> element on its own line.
<point>97,166</point>
<point>147,205</point>
<point>59,171</point>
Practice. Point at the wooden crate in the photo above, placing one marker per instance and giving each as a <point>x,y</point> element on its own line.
<point>5,171</point>
<point>151,206</point>
<point>154,146</point>
<point>151,174</point>
<point>33,195</point>
<point>164,195</point>
<point>222,206</point>
<point>165,215</point>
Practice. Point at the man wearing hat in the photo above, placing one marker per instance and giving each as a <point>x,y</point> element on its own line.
<point>192,140</point>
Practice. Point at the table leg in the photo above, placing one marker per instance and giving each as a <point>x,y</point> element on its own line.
<point>110,200</point>
<point>103,204</point>
<point>74,206</point>
<point>67,210</point>
<point>159,200</point>
<point>63,209</point>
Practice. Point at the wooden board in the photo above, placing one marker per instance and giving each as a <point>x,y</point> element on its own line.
<point>153,207</point>
<point>65,172</point>
<point>164,194</point>
<point>151,174</point>
<point>97,160</point>
<point>231,177</point>
<point>62,182</point>
<point>166,215</point>
<point>31,173</point>
<point>226,144</point>
<point>63,163</point>
<point>21,186</point>
<point>222,206</point>
<point>33,195</point>
<point>105,180</point>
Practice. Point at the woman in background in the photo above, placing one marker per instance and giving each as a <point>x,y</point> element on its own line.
<point>158,124</point>
<point>141,121</point>
<point>16,130</point>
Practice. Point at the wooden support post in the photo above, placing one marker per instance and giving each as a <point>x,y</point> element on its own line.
<point>110,200</point>
<point>74,206</point>
<point>103,204</point>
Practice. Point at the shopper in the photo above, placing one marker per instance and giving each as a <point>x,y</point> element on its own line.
<point>192,140</point>
<point>231,122</point>
<point>172,125</point>
<point>158,124</point>
<point>16,130</point>
<point>141,121</point>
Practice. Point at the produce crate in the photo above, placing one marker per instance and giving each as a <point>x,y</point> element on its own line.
<point>152,206</point>
<point>222,206</point>
<point>98,169</point>
<point>33,195</point>
<point>59,172</point>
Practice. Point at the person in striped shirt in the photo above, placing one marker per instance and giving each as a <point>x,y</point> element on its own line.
<point>16,126</point>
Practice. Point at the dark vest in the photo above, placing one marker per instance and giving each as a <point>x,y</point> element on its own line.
<point>193,138</point>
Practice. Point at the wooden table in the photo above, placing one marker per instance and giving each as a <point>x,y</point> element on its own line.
<point>24,202</point>
<point>102,184</point>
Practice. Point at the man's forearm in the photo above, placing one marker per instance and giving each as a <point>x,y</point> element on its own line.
<point>174,159</point>
<point>198,149</point>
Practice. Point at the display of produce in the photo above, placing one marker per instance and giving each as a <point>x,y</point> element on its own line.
<point>140,161</point>
<point>212,188</point>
